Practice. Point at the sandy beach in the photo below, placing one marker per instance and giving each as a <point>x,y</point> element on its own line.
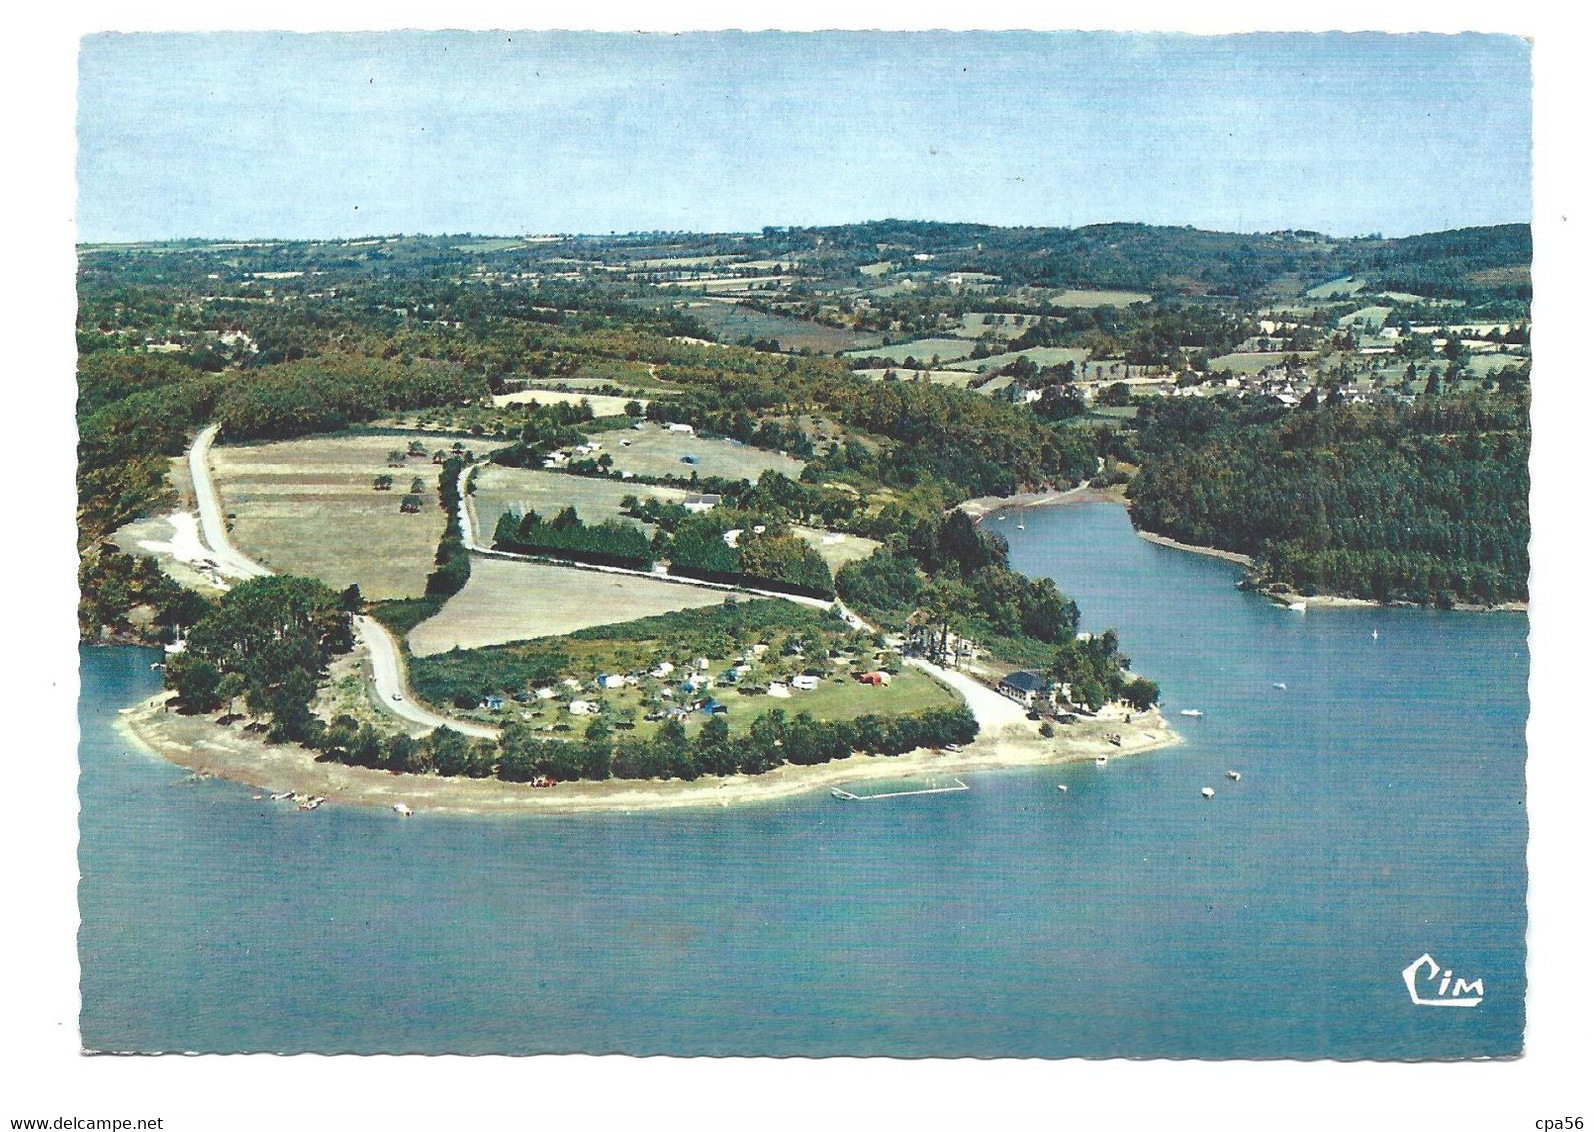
<point>201,744</point>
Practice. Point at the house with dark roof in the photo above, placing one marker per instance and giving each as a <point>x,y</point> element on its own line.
<point>1027,688</point>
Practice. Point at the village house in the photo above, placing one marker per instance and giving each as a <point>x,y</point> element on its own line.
<point>697,504</point>
<point>1027,688</point>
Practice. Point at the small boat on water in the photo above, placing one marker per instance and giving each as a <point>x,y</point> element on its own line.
<point>282,795</point>
<point>402,810</point>
<point>1233,775</point>
<point>1207,792</point>
<point>1297,607</point>
<point>1375,634</point>
<point>1021,526</point>
<point>1193,713</point>
<point>1063,786</point>
<point>1280,685</point>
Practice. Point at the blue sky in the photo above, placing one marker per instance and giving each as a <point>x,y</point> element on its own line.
<point>264,134</point>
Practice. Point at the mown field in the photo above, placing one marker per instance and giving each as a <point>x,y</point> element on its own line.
<point>1246,363</point>
<point>656,452</point>
<point>1040,355</point>
<point>518,601</point>
<point>835,548</point>
<point>921,350</point>
<point>500,489</point>
<point>1082,298</point>
<point>307,507</point>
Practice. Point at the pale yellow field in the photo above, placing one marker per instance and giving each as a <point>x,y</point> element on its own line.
<point>307,507</point>
<point>517,601</point>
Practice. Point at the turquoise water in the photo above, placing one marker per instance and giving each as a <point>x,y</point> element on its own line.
<point>1380,815</point>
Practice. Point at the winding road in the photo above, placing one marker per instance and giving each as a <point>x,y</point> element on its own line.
<point>390,688</point>
<point>387,665</point>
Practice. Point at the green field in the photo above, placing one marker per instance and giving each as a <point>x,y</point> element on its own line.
<point>1337,288</point>
<point>655,452</point>
<point>1246,363</point>
<point>921,350</point>
<point>1040,355</point>
<point>1001,325</point>
<point>731,322</point>
<point>1073,298</point>
<point>1367,316</point>
<point>500,489</point>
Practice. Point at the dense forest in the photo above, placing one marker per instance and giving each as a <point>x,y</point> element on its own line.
<point>1426,502</point>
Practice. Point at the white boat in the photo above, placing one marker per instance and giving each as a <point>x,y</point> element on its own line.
<point>1101,760</point>
<point>1297,607</point>
<point>402,810</point>
<point>1063,787</point>
<point>1193,713</point>
<point>1375,634</point>
<point>282,795</point>
<point>1001,518</point>
<point>1021,526</point>
<point>1281,686</point>
<point>1233,775</point>
<point>1207,792</point>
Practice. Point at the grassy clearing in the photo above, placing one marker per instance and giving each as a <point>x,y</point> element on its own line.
<point>974,324</point>
<point>732,322</point>
<point>602,405</point>
<point>1246,363</point>
<point>521,601</point>
<point>307,507</point>
<point>835,548</point>
<point>922,350</point>
<point>500,489</point>
<point>1367,316</point>
<point>655,452</point>
<point>1040,355</point>
<point>1337,288</point>
<point>1073,298</point>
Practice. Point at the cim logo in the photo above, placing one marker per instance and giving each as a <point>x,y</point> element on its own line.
<point>1429,986</point>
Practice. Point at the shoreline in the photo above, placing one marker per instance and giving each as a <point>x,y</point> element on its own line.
<point>984,505</point>
<point>197,743</point>
<point>987,504</point>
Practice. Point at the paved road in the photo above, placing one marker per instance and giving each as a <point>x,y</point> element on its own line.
<point>212,520</point>
<point>994,710</point>
<point>387,671</point>
<point>387,665</point>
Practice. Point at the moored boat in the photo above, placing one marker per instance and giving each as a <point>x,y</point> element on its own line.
<point>1207,792</point>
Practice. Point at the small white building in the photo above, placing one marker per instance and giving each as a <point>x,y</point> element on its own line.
<point>779,691</point>
<point>686,428</point>
<point>805,683</point>
<point>697,504</point>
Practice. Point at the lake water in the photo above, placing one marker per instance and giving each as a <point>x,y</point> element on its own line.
<point>1380,816</point>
